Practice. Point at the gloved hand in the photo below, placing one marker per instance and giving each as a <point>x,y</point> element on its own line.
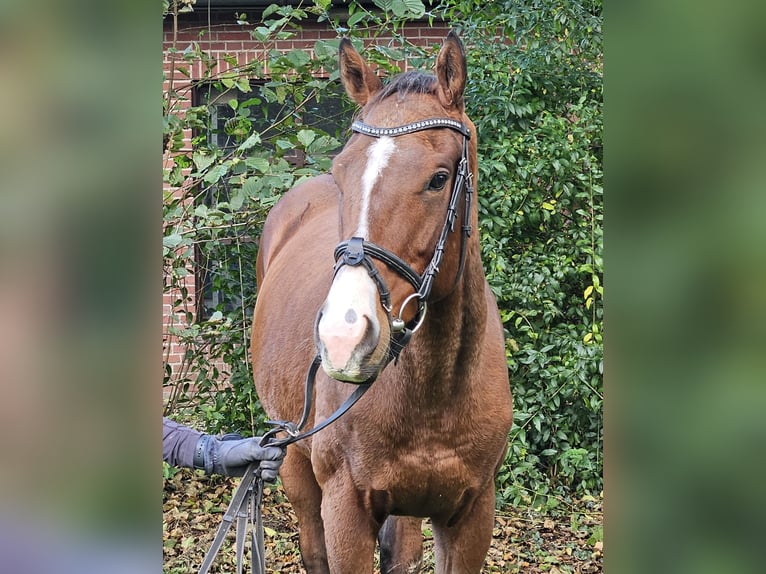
<point>232,454</point>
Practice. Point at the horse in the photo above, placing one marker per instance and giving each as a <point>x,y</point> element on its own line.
<point>375,268</point>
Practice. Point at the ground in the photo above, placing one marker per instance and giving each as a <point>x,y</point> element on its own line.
<point>524,541</point>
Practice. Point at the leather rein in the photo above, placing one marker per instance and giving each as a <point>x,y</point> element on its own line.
<point>245,505</point>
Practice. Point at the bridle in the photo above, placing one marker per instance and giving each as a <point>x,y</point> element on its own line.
<point>356,251</point>
<point>245,504</point>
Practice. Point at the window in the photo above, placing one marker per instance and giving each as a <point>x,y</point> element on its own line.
<point>277,112</point>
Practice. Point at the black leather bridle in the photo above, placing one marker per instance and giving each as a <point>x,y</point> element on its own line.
<point>356,251</point>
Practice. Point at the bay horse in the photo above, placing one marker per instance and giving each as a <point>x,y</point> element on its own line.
<point>376,269</point>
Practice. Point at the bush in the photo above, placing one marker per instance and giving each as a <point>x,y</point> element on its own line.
<point>537,107</point>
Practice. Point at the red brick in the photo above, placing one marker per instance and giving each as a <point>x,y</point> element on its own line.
<point>235,35</point>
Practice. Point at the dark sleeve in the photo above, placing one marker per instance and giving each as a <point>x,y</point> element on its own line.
<point>178,443</point>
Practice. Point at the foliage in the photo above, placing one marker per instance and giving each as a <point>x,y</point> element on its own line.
<point>537,107</point>
<point>250,145</point>
<point>534,93</point>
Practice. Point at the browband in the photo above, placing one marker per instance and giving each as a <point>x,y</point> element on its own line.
<point>363,128</point>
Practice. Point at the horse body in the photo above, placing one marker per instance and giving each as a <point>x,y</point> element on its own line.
<point>429,435</point>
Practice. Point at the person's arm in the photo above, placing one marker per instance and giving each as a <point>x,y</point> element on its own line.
<point>230,456</point>
<point>179,443</point>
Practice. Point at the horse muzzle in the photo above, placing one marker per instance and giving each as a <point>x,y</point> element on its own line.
<point>348,328</point>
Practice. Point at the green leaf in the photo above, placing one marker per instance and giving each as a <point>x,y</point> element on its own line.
<point>298,58</point>
<point>202,160</point>
<point>216,316</point>
<point>216,173</point>
<point>261,33</point>
<point>323,144</point>
<point>405,8</point>
<point>306,137</point>
<point>171,241</point>
<point>390,53</point>
<point>260,164</point>
<point>250,186</point>
<point>325,48</point>
<point>356,18</point>
<point>253,140</point>
<point>236,200</point>
<point>597,536</point>
<point>243,85</point>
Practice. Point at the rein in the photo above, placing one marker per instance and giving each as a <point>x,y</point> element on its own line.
<point>245,505</point>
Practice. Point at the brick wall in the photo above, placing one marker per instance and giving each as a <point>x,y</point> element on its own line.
<point>221,36</point>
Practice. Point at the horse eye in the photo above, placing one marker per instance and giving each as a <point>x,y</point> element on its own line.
<point>438,181</point>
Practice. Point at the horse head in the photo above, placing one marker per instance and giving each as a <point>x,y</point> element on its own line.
<point>399,177</point>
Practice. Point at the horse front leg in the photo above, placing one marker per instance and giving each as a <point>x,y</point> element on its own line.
<point>305,496</point>
<point>461,543</point>
<point>350,530</point>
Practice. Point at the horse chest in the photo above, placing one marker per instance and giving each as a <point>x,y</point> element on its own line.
<point>433,481</point>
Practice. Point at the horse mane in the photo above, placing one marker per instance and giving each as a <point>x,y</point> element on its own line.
<point>412,82</point>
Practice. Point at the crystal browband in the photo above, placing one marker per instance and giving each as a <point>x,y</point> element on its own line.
<point>363,128</point>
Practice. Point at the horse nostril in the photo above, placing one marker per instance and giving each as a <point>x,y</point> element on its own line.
<point>351,316</point>
<point>369,339</point>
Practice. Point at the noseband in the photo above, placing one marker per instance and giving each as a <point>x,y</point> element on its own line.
<point>356,251</point>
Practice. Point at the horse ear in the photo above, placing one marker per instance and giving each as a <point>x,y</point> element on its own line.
<point>357,77</point>
<point>451,72</point>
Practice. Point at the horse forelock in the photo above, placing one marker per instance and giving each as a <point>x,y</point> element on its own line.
<point>412,82</point>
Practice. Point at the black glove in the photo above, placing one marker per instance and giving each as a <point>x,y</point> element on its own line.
<point>231,456</point>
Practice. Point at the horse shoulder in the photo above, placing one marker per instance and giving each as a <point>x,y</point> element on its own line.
<point>294,256</point>
<point>303,204</point>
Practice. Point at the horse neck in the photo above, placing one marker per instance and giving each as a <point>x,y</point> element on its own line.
<point>447,346</point>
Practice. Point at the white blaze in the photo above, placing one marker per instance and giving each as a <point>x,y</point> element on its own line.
<point>378,155</point>
<point>351,304</point>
